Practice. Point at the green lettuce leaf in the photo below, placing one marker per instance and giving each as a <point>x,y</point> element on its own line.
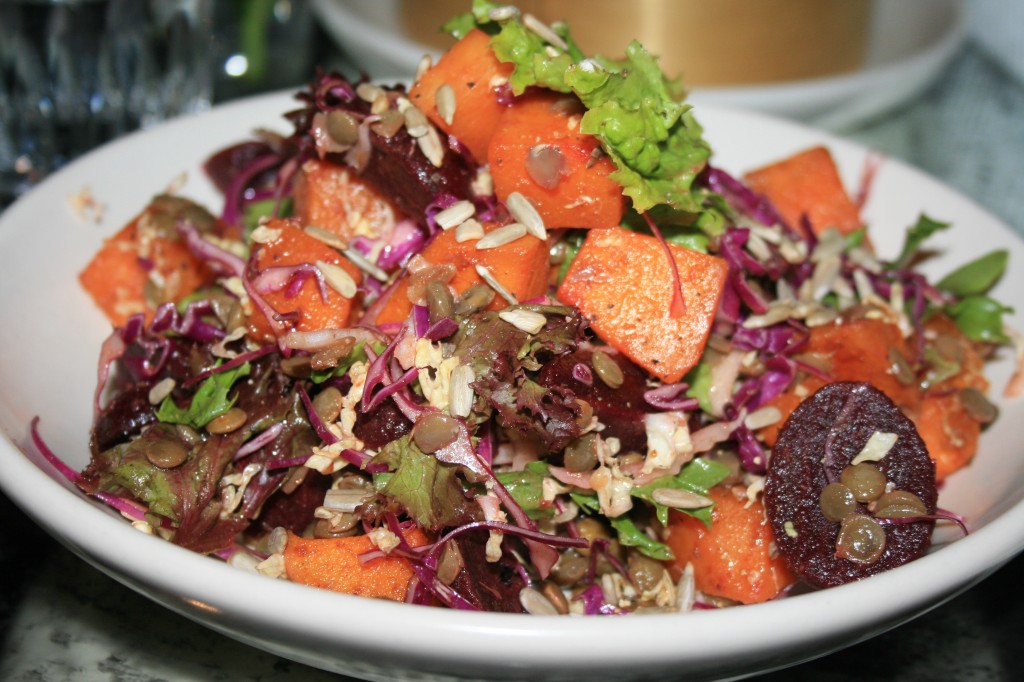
<point>526,488</point>
<point>916,236</point>
<point>631,536</point>
<point>208,403</point>
<point>980,318</point>
<point>697,476</point>
<point>632,108</point>
<point>976,277</point>
<point>430,491</point>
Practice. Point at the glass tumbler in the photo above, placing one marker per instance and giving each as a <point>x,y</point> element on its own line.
<point>76,73</point>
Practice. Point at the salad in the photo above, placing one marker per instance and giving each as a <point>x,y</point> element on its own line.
<point>508,340</point>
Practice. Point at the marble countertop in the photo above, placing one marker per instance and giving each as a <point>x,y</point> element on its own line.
<point>60,619</point>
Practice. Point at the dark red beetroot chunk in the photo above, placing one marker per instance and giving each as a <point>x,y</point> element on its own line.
<point>490,586</point>
<point>851,412</point>
<point>381,425</point>
<point>621,409</point>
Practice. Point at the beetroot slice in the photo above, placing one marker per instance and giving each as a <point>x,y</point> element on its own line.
<point>847,414</point>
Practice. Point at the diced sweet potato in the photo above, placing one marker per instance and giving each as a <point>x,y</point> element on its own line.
<point>332,197</point>
<point>472,71</point>
<point>539,151</point>
<point>334,564</point>
<point>948,430</point>
<point>623,284</point>
<point>294,247</point>
<point>521,266</point>
<point>851,351</point>
<point>807,184</point>
<point>145,264</point>
<point>859,351</point>
<point>733,558</point>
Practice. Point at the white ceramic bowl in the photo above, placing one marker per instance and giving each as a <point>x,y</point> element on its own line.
<point>51,333</point>
<point>909,43</point>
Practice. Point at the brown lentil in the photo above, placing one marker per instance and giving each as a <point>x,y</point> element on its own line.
<point>167,454</point>
<point>899,504</point>
<point>341,525</point>
<point>474,298</point>
<point>189,436</point>
<point>450,564</point>
<point>327,404</point>
<point>607,369</point>
<point>978,406</point>
<point>545,164</point>
<point>571,568</point>
<point>230,421</point>
<point>591,529</point>
<point>297,366</point>
<point>837,502</point>
<point>554,594</point>
<point>419,280</point>
<point>865,481</point>
<point>901,368</point>
<point>644,572</point>
<point>440,301</point>
<point>294,480</point>
<point>861,539</point>
<point>434,431</point>
<point>581,454</point>
<point>342,127</point>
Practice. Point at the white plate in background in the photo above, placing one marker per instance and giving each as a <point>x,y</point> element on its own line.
<point>910,42</point>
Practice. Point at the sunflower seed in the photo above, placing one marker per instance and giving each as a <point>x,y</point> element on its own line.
<point>535,603</point>
<point>460,391</point>
<point>416,122</point>
<point>544,31</point>
<point>525,212</point>
<point>524,320</point>
<point>368,92</point>
<point>678,498</point>
<point>455,215</point>
<point>426,61</point>
<point>325,236</point>
<point>444,100</point>
<point>161,390</point>
<point>766,416</point>
<point>347,501</point>
<point>364,264</point>
<point>468,230</point>
<point>430,145</point>
<point>501,236</point>
<point>487,276</point>
<point>337,278</point>
<point>264,234</point>
<point>503,13</point>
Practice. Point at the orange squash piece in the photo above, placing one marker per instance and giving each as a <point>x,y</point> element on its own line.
<point>521,266</point>
<point>334,564</point>
<point>808,184</point>
<point>622,283</point>
<point>332,197</point>
<point>294,247</point>
<point>144,255</point>
<point>733,558</point>
<point>582,194</point>
<point>849,351</point>
<point>472,71</point>
<point>859,351</point>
